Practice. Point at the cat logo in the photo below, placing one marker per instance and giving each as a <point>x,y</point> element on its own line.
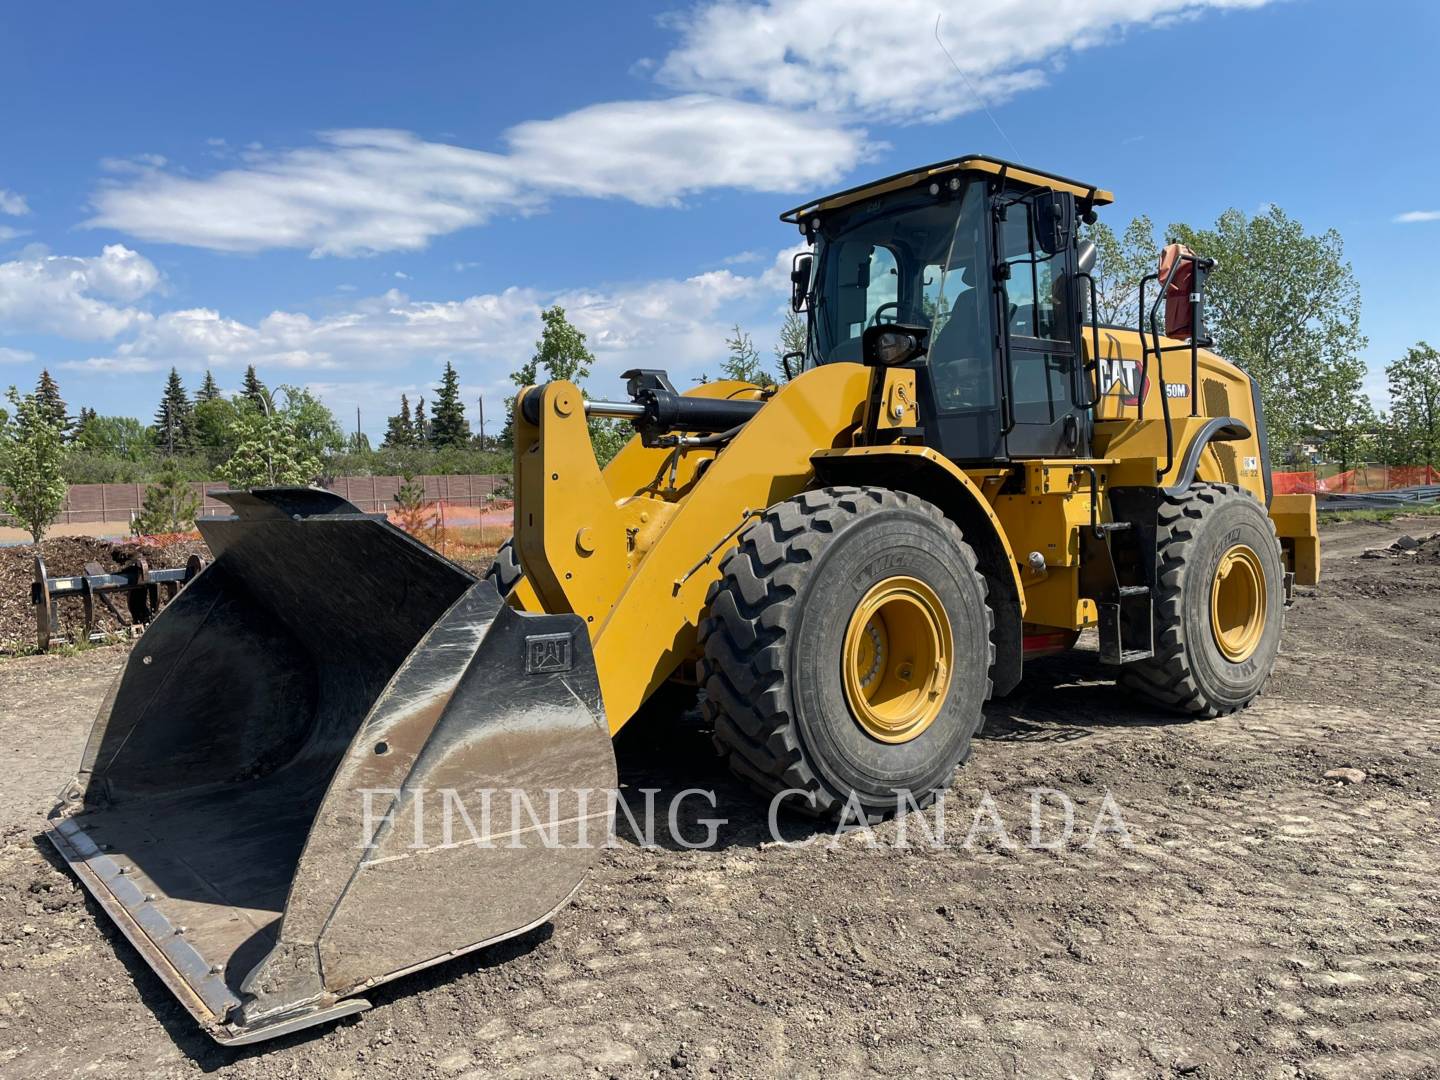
<point>547,652</point>
<point>1122,376</point>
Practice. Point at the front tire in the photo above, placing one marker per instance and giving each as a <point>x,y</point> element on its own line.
<point>847,651</point>
<point>1219,603</point>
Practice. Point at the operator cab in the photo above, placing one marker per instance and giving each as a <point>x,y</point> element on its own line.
<point>977,259</point>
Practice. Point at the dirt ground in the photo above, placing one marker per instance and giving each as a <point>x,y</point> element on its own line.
<point>1262,921</point>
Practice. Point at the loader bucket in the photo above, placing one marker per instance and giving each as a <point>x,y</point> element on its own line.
<point>333,759</point>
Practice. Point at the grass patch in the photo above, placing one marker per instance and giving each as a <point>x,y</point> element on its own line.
<point>1378,516</point>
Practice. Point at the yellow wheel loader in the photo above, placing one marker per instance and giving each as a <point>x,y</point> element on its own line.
<point>336,757</point>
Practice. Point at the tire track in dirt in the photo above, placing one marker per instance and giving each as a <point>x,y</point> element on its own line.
<point>1265,922</point>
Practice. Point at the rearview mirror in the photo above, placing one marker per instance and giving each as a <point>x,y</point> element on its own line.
<point>799,281</point>
<point>1052,229</point>
<point>1086,258</point>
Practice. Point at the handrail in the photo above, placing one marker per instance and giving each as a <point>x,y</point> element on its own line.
<point>1160,372</point>
<point>1092,396</point>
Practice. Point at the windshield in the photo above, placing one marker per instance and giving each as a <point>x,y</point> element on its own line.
<point>912,258</point>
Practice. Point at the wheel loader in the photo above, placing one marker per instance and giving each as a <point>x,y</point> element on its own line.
<point>963,471</point>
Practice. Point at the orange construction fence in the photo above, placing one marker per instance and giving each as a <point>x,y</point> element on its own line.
<point>458,531</point>
<point>1360,479</point>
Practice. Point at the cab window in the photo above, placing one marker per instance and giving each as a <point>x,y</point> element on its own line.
<point>867,291</point>
<point>1036,280</point>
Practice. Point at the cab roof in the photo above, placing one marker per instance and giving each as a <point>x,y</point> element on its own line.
<point>970,163</point>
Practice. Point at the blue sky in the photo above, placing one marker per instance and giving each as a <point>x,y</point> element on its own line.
<point>349,195</point>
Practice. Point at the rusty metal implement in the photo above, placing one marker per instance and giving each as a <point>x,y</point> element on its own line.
<point>334,758</point>
<point>141,586</point>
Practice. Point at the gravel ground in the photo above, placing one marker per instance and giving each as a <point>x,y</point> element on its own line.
<point>1261,920</point>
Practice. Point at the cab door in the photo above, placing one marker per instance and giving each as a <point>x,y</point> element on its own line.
<point>1035,247</point>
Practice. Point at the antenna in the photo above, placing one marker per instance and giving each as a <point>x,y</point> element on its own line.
<point>971,87</point>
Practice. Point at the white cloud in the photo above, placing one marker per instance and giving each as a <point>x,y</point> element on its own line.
<point>8,233</point>
<point>13,204</point>
<point>654,152</point>
<point>678,324</point>
<point>15,356</point>
<point>361,191</point>
<point>76,297</point>
<point>355,191</point>
<point>852,57</point>
<point>1411,217</point>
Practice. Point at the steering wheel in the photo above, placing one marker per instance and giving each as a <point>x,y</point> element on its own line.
<point>894,315</point>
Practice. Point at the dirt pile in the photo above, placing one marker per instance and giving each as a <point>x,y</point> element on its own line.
<point>69,555</point>
<point>1407,548</point>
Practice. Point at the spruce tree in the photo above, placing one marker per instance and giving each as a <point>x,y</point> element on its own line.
<point>399,430</point>
<point>175,418</point>
<point>47,393</point>
<point>422,426</point>
<point>209,389</point>
<point>447,419</point>
<point>170,504</point>
<point>253,390</point>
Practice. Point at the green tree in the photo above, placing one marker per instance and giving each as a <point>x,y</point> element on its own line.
<point>794,338</point>
<point>421,433</point>
<point>743,362</point>
<point>357,443</point>
<point>1285,306</point>
<point>47,392</point>
<point>447,418</point>
<point>414,513</point>
<point>1346,421</point>
<point>1415,406</point>
<point>400,428</point>
<point>121,437</point>
<point>175,417</point>
<point>314,422</point>
<point>32,460</point>
<point>561,351</point>
<point>215,420</point>
<point>564,354</point>
<point>209,389</point>
<point>270,450</point>
<point>170,504</point>
<point>253,390</point>
<point>1120,262</point>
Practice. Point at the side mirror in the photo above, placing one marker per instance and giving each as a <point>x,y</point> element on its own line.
<point>891,344</point>
<point>800,281</point>
<point>1052,229</point>
<point>1086,258</point>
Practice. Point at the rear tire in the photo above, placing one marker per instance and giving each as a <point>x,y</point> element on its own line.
<point>505,571</point>
<point>1214,648</point>
<point>779,634</point>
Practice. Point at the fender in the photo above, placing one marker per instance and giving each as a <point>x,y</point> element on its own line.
<point>922,472</point>
<point>1216,429</point>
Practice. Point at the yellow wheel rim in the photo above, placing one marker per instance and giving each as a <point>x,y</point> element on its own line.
<point>898,659</point>
<point>1237,603</point>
